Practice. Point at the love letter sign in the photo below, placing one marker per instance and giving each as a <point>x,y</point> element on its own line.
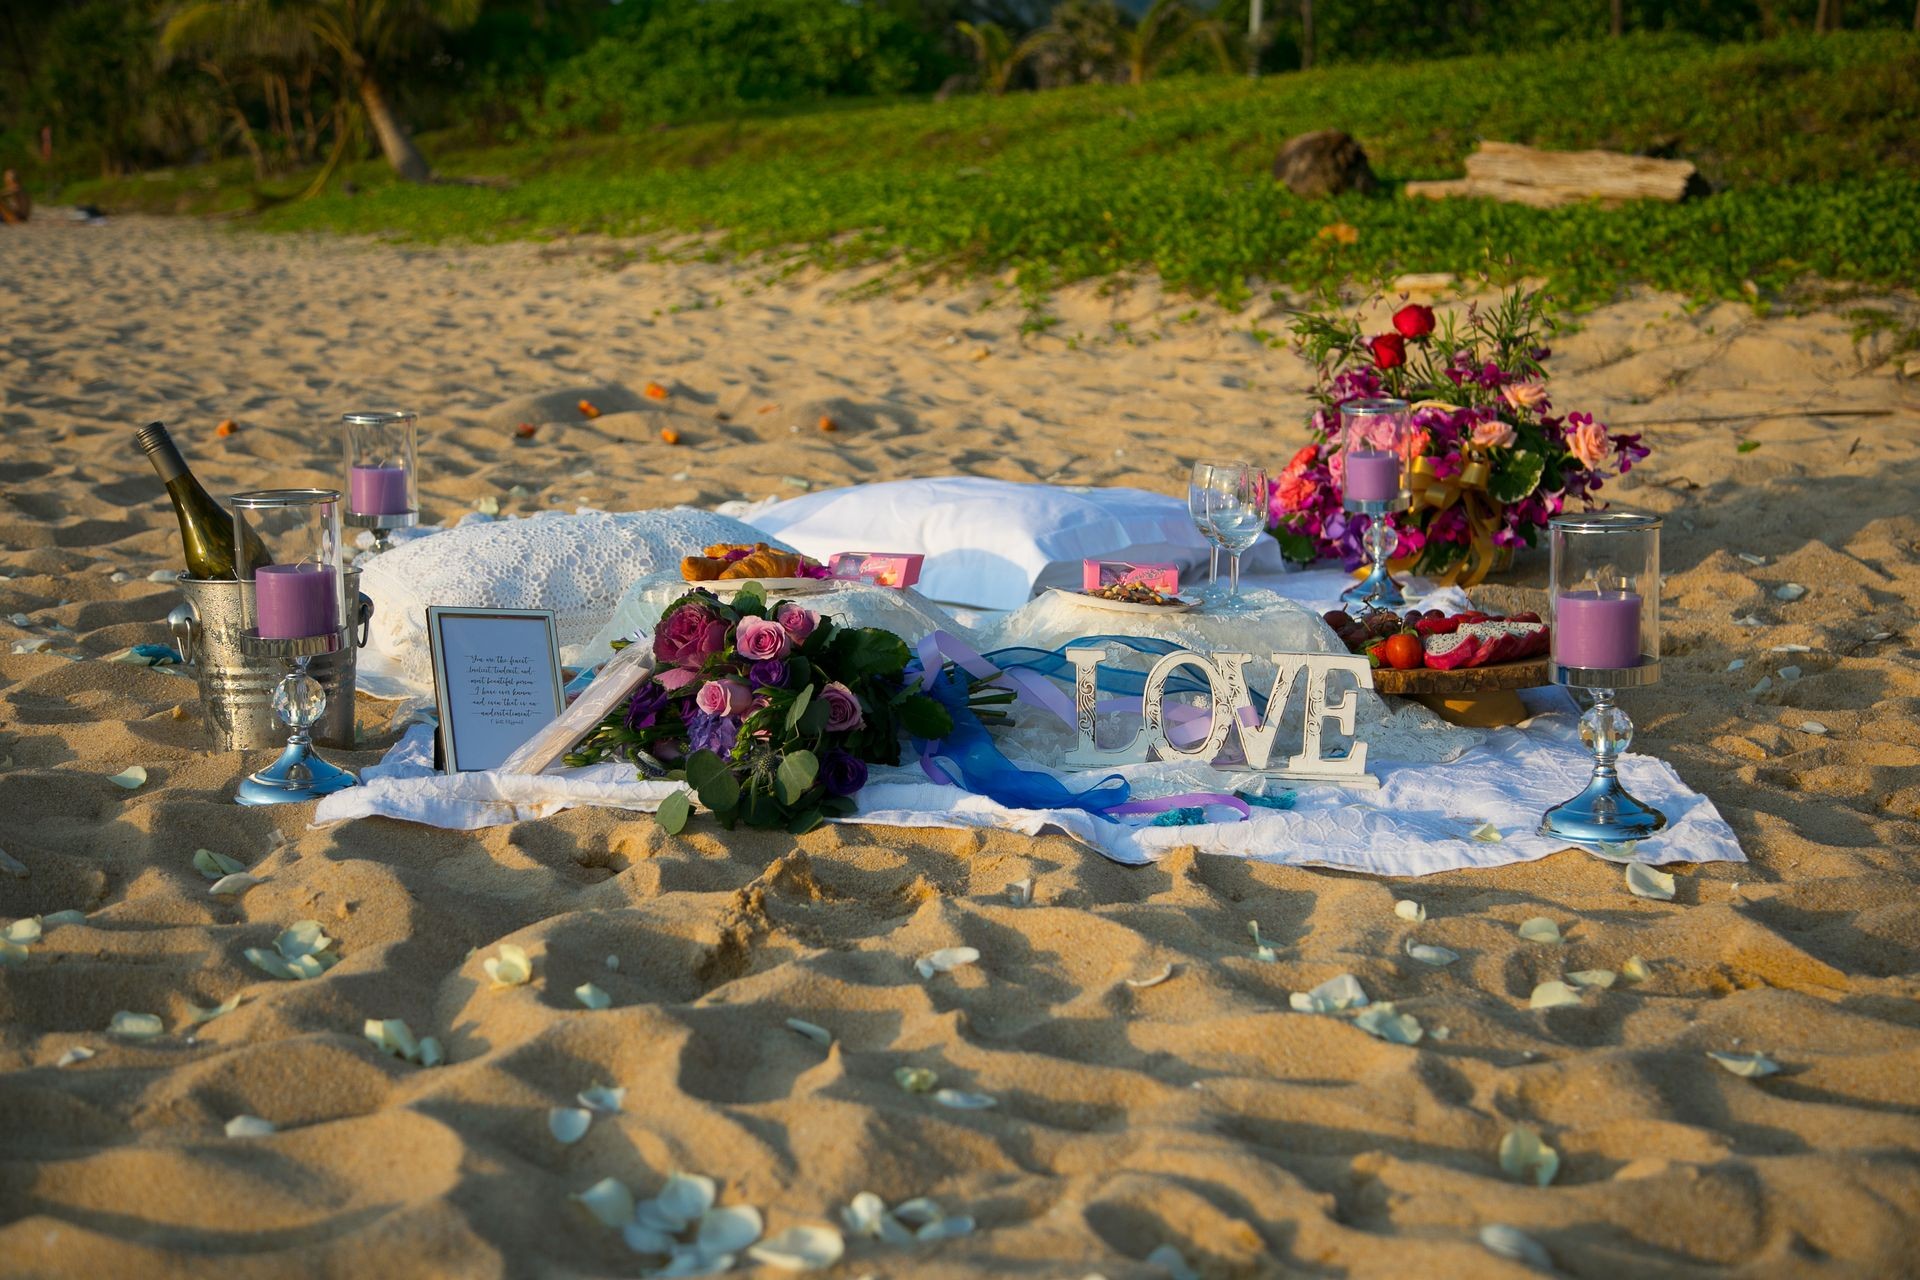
<point>1229,711</point>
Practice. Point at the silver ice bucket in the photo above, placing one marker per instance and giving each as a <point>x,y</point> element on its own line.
<point>236,692</point>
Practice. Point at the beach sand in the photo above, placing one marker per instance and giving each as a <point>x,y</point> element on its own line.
<point>1198,1113</point>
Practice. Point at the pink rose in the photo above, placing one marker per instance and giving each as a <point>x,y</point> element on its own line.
<point>843,709</point>
<point>676,678</point>
<point>1525,395</point>
<point>1494,434</point>
<point>758,639</point>
<point>797,622</point>
<point>724,698</point>
<point>1296,490</point>
<point>1588,442</point>
<point>688,637</point>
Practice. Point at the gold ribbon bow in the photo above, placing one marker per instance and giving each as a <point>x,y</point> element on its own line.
<point>1468,489</point>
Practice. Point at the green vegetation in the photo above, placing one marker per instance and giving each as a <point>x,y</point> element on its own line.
<point>1808,142</point>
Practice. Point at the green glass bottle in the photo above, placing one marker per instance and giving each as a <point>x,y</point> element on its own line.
<point>206,527</point>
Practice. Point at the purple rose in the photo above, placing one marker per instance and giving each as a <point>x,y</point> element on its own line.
<point>688,637</point>
<point>797,622</point>
<point>843,773</point>
<point>770,674</point>
<point>712,733</point>
<point>758,639</point>
<point>724,698</point>
<point>644,708</point>
<point>843,709</point>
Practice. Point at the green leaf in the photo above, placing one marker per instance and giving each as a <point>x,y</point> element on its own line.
<point>1517,478</point>
<point>796,774</point>
<point>839,806</point>
<point>673,813</point>
<point>713,782</point>
<point>1746,446</point>
<point>1297,547</point>
<point>815,719</point>
<point>867,651</point>
<point>751,598</point>
<point>924,717</point>
<point>798,710</point>
<point>804,822</point>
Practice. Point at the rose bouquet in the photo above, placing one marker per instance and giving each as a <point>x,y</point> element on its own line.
<point>1491,461</point>
<point>769,712</point>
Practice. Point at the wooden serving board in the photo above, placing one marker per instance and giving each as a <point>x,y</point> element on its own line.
<point>1527,673</point>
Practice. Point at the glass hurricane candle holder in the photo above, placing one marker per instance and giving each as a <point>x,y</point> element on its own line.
<point>1605,588</point>
<point>382,494</point>
<point>1373,450</point>
<point>291,558</point>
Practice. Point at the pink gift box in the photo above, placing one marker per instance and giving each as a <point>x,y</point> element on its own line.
<point>882,568</point>
<point>1095,574</point>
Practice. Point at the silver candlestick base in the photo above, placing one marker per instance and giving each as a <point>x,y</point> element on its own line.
<point>382,526</point>
<point>1377,590</point>
<point>1605,812</point>
<point>299,701</point>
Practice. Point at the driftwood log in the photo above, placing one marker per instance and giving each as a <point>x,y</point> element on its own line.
<point>1548,179</point>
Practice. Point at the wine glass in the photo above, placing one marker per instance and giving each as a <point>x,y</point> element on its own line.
<point>1237,509</point>
<point>1201,481</point>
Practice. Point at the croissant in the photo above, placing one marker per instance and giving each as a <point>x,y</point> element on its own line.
<point>764,564</point>
<point>702,568</point>
<point>720,550</point>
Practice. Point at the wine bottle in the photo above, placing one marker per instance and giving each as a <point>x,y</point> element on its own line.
<point>206,527</point>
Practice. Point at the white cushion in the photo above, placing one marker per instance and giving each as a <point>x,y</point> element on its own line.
<point>991,544</point>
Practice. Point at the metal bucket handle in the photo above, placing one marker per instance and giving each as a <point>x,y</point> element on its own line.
<point>184,621</point>
<point>363,621</point>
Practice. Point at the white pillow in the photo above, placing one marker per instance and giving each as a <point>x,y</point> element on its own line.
<point>579,566</point>
<point>991,544</point>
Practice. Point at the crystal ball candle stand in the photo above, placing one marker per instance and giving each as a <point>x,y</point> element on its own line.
<point>1373,444</point>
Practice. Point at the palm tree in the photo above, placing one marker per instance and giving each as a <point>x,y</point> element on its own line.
<point>998,54</point>
<point>362,36</point>
<point>1166,28</point>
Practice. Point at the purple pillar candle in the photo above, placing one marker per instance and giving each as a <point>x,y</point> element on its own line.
<point>1373,477</point>
<point>378,491</point>
<point>295,600</point>
<point>1596,629</point>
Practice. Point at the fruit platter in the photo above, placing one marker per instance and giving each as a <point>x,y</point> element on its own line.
<point>1434,653</point>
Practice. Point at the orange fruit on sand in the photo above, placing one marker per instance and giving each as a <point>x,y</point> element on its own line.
<point>525,430</point>
<point>226,428</point>
<point>669,435</point>
<point>828,424</point>
<point>655,391</point>
<point>587,409</point>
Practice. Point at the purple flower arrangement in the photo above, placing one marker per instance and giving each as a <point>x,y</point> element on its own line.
<point>769,712</point>
<point>1493,461</point>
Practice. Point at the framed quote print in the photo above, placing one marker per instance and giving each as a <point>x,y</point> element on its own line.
<point>496,682</point>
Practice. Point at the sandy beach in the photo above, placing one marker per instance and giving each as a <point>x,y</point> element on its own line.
<point>1199,1112</point>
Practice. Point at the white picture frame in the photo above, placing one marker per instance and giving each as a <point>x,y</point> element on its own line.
<point>496,682</point>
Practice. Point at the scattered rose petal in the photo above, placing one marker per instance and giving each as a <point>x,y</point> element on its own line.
<point>568,1124</point>
<point>919,1211</point>
<point>686,1196</point>
<point>23,933</point>
<point>135,1026</point>
<point>1524,1156</point>
<point>1761,685</point>
<point>393,1036</point>
<point>915,1079</point>
<point>1487,833</point>
<point>1750,1065</point>
<point>1510,1243</point>
<point>960,1100</point>
<point>592,997</point>
<point>1553,995</point>
<point>800,1249</point>
<point>728,1230</point>
<point>215,865</point>
<point>688,1261</point>
<point>431,1055</point>
<point>69,916</point>
<point>613,964</point>
<point>1168,1259</point>
<point>1261,951</point>
<point>1635,970</point>
<point>1331,996</point>
<point>232,886</point>
<point>1643,881</point>
<point>1601,978</point>
<point>812,1031</point>
<point>302,938</point>
<point>131,779</point>
<point>1020,892</point>
<point>1426,954</point>
<point>608,1200</point>
<point>511,968</point>
<point>1610,851</point>
<point>1752,559</point>
<point>1789,592</point>
<point>1382,1023</point>
<point>12,953</point>
<point>1541,929</point>
<point>644,1239</point>
<point>1789,673</point>
<point>13,866</point>
<point>197,1016</point>
<point>945,960</point>
<point>863,1214</point>
<point>249,1127</point>
<point>1792,648</point>
<point>79,1053</point>
<point>1154,981</point>
<point>1814,727</point>
<point>604,1099</point>
<point>1408,909</point>
<point>1738,664</point>
<point>945,1229</point>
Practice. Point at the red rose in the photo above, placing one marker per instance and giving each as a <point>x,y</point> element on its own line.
<point>1413,321</point>
<point>1389,350</point>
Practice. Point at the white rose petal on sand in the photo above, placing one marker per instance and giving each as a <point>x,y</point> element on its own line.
<point>800,1249</point>
<point>945,960</point>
